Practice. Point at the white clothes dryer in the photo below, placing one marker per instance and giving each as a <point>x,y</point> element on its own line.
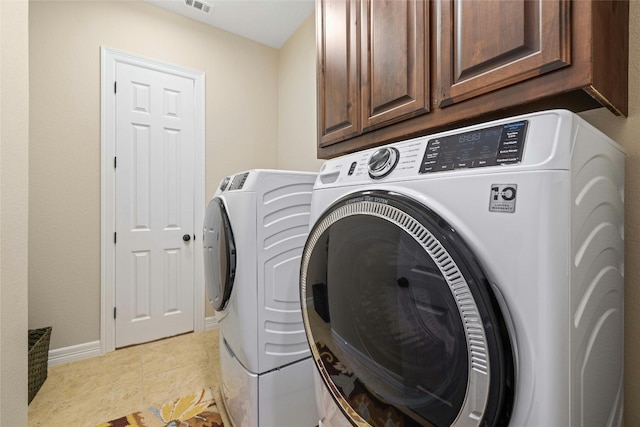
<point>470,278</point>
<point>254,231</point>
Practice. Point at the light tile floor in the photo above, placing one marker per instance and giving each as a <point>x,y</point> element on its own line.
<point>96,390</point>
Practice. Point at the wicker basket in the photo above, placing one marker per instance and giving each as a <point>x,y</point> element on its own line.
<point>38,358</point>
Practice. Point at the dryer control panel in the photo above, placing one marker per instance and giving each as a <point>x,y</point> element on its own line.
<point>493,146</point>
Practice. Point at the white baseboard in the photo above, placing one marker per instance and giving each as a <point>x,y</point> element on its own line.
<point>210,323</point>
<point>74,353</point>
<point>92,349</point>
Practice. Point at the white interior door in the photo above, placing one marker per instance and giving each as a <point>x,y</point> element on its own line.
<point>154,204</point>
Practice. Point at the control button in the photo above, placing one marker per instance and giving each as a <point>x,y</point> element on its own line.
<point>508,151</point>
<point>444,167</point>
<point>383,161</point>
<point>507,160</point>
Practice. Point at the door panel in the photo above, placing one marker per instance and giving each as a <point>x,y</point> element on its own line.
<point>400,315</point>
<point>219,254</point>
<point>484,46</point>
<point>338,71</point>
<point>394,50</point>
<point>154,204</point>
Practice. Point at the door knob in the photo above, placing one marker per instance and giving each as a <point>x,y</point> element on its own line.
<point>186,237</point>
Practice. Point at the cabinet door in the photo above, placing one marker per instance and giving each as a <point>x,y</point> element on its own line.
<point>487,45</point>
<point>338,71</point>
<point>394,54</point>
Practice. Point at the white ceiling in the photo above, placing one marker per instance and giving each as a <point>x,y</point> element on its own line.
<point>270,22</point>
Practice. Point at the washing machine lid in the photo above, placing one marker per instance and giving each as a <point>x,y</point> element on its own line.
<point>400,318</point>
<point>219,254</point>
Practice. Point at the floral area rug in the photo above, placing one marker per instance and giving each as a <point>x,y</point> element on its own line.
<point>374,410</point>
<point>194,410</point>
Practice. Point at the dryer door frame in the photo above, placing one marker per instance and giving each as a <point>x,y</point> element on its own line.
<point>219,254</point>
<point>444,298</point>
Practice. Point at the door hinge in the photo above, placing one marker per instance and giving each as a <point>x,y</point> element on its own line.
<point>115,87</point>
<point>115,237</point>
<point>114,312</point>
<point>115,162</point>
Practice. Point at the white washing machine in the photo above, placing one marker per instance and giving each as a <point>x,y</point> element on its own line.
<point>254,231</point>
<point>470,278</point>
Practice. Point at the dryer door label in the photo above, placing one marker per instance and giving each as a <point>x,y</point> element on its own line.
<point>503,198</point>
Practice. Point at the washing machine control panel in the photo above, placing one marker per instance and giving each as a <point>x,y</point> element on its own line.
<point>492,146</point>
<point>526,142</point>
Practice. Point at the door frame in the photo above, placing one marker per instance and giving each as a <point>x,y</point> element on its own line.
<point>109,59</point>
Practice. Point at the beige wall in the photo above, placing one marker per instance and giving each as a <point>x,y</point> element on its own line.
<point>64,190</point>
<point>14,188</point>
<point>297,89</point>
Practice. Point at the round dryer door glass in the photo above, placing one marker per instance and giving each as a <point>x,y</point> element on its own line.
<point>401,321</point>
<point>219,254</point>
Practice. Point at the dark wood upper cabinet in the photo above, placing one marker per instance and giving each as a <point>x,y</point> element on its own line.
<point>486,45</point>
<point>394,69</point>
<point>372,65</point>
<point>338,59</point>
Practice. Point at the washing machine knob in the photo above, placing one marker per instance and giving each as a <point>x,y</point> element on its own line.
<point>224,183</point>
<point>382,162</point>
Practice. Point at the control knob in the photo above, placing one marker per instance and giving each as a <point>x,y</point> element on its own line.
<point>383,161</point>
<point>224,183</point>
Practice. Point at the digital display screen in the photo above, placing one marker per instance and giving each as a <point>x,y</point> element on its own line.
<point>497,145</point>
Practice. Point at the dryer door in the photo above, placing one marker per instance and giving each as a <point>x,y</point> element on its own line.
<point>402,322</point>
<point>219,254</point>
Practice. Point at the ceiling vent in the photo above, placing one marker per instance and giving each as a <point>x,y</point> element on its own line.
<point>200,5</point>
